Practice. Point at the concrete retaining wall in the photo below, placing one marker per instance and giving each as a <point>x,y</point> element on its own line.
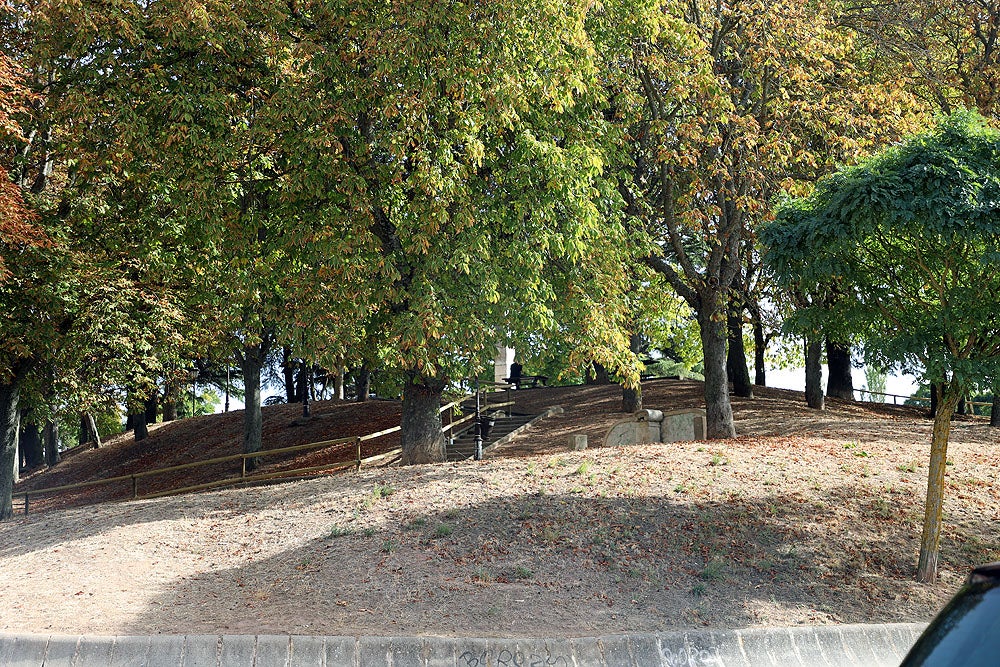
<point>826,646</point>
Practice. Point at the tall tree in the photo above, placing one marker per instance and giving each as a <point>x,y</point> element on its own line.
<point>909,238</point>
<point>725,104</point>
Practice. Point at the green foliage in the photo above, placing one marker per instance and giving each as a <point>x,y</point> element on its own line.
<point>203,402</point>
<point>906,242</point>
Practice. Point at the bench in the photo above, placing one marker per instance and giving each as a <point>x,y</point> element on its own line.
<point>517,378</point>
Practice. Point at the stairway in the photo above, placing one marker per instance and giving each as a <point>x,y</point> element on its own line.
<point>464,446</point>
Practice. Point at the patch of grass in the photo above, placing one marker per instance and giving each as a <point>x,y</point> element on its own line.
<point>383,491</point>
<point>862,453</point>
<point>851,445</point>
<point>714,571</point>
<point>551,534</point>
<point>531,469</point>
<point>718,459</point>
<point>368,532</point>
<point>699,589</point>
<point>337,531</point>
<point>522,572</point>
<point>482,574</point>
<point>388,547</point>
<point>417,523</point>
<point>908,467</point>
<point>444,530</point>
<point>451,514</point>
<point>583,468</point>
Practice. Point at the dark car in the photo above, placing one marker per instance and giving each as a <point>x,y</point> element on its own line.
<point>967,631</point>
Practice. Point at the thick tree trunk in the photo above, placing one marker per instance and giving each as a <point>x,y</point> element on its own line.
<point>363,382</point>
<point>598,375</point>
<point>251,362</point>
<point>995,411</point>
<point>10,417</point>
<point>139,428</point>
<point>423,441</point>
<point>934,399</point>
<point>759,347</point>
<point>632,396</point>
<point>51,437</point>
<point>839,382</point>
<point>962,408</point>
<point>814,374</point>
<point>930,539</point>
<point>170,393</point>
<point>31,445</point>
<point>719,412</point>
<point>152,407</point>
<point>50,443</point>
<point>736,357</point>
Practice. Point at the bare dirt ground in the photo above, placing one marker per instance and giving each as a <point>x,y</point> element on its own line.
<point>804,518</point>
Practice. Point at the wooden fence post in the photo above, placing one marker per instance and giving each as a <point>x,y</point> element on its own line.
<point>357,444</point>
<point>135,487</point>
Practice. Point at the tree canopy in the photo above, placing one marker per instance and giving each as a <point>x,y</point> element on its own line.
<point>907,242</point>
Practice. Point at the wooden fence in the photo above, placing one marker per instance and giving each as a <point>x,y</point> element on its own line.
<point>357,462</point>
<point>909,398</point>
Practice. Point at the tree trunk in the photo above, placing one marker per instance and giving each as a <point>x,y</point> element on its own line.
<point>759,347</point>
<point>598,375</point>
<point>288,372</point>
<point>16,467</point>
<point>94,435</point>
<point>301,382</point>
<point>632,396</point>
<point>10,416</point>
<point>251,362</point>
<point>930,539</point>
<point>736,357</point>
<point>170,402</point>
<point>51,436</point>
<point>423,441</point>
<point>152,407</point>
<point>962,408</point>
<point>814,374</point>
<point>995,411</point>
<point>718,410</point>
<point>363,382</point>
<point>934,399</point>
<point>839,382</point>
<point>338,382</point>
<point>31,445</point>
<point>139,429</point>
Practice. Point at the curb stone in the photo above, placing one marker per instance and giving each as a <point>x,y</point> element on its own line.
<point>830,646</point>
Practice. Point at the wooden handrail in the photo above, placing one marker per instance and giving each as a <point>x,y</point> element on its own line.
<point>914,398</point>
<point>357,462</point>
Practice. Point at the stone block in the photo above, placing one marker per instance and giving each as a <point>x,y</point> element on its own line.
<point>577,442</point>
<point>341,652</point>
<point>270,651</point>
<point>439,651</point>
<point>28,651</point>
<point>683,425</point>
<point>165,651</point>
<point>130,652</point>
<point>306,651</point>
<point>61,651</point>
<point>239,651</point>
<point>374,651</point>
<point>632,432</point>
<point>201,651</point>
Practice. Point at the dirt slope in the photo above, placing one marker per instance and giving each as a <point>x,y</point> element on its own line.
<point>804,518</point>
